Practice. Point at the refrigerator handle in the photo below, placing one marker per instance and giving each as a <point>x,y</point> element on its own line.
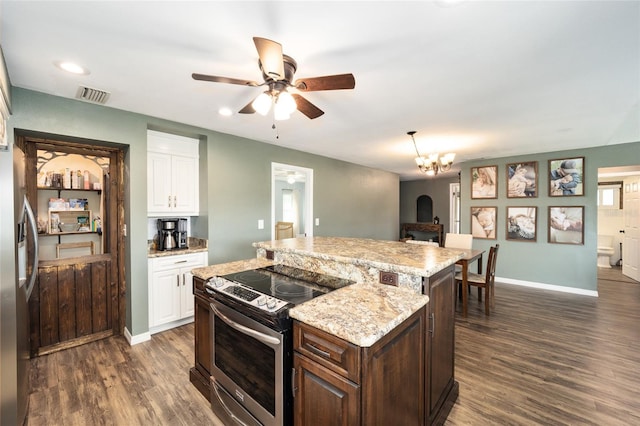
<point>34,231</point>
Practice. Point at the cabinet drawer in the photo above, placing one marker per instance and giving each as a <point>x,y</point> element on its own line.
<point>332,352</point>
<point>178,261</point>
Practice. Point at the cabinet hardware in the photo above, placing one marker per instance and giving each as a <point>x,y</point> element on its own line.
<point>181,261</point>
<point>432,317</point>
<point>169,204</point>
<point>175,201</point>
<point>318,351</point>
<point>178,280</point>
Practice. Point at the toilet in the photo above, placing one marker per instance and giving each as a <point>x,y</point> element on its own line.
<point>605,251</point>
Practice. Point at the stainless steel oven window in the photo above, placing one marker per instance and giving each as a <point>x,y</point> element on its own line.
<point>247,361</point>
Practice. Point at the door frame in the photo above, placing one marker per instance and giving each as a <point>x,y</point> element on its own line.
<point>308,195</point>
<point>31,141</point>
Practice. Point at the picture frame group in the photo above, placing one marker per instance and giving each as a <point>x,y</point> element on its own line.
<point>565,224</point>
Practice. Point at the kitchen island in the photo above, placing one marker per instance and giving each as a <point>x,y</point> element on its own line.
<point>416,269</point>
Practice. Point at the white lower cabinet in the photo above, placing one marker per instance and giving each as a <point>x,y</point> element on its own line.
<point>171,300</point>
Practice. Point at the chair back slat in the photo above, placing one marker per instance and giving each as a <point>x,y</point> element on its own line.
<point>491,264</point>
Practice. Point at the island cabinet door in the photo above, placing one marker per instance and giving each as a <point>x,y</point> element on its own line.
<point>323,397</point>
<point>441,349</point>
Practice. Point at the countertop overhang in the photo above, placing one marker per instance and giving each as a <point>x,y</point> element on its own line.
<point>391,256</point>
<point>360,313</point>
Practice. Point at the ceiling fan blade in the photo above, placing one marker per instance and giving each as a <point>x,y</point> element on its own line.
<point>271,59</point>
<point>306,107</point>
<point>248,108</point>
<point>229,80</point>
<point>329,82</point>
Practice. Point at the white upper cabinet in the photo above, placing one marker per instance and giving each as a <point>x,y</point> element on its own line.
<point>172,175</point>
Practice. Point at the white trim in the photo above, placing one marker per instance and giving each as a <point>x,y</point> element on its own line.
<point>169,325</point>
<point>454,208</point>
<point>308,196</point>
<point>139,338</point>
<point>560,288</point>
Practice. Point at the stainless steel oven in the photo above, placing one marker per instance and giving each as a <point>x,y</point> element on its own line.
<point>252,340</point>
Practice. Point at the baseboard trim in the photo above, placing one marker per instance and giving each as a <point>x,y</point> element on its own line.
<point>562,289</point>
<point>139,338</point>
<point>170,325</point>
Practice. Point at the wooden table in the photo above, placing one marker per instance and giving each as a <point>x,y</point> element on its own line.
<point>469,256</point>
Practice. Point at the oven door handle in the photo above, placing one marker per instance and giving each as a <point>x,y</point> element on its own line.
<point>264,338</point>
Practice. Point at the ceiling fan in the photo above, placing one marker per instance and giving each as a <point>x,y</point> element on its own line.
<point>277,71</point>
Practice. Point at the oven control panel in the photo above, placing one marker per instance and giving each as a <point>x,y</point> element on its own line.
<point>246,294</point>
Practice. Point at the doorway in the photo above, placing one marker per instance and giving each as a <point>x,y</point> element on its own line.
<point>76,299</point>
<point>292,198</point>
<point>620,223</point>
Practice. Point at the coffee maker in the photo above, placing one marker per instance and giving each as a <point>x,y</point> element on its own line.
<point>172,234</point>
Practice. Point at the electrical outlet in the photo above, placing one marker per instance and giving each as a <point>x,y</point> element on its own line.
<point>390,278</point>
<point>317,221</point>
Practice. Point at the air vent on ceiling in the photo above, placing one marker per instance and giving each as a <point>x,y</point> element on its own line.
<point>92,95</point>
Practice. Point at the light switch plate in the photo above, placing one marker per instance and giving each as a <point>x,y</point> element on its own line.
<point>317,221</point>
<point>260,223</point>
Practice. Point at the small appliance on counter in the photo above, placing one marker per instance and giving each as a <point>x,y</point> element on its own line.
<point>172,234</point>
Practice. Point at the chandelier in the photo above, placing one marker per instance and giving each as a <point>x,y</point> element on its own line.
<point>432,164</point>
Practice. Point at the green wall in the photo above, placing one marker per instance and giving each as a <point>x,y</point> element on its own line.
<point>235,185</point>
<point>437,188</point>
<point>541,262</point>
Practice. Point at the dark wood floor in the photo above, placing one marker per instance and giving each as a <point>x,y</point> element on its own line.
<point>542,357</point>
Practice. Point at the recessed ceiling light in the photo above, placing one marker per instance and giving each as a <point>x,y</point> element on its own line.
<point>224,111</point>
<point>72,68</point>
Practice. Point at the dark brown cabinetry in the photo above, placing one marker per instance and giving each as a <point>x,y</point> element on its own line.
<point>200,373</point>
<point>339,383</point>
<point>441,389</point>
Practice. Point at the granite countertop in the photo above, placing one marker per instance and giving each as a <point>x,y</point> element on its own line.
<point>361,313</point>
<point>207,272</point>
<point>196,245</point>
<point>392,256</point>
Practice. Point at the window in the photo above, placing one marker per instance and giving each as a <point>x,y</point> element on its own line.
<point>288,207</point>
<point>609,195</point>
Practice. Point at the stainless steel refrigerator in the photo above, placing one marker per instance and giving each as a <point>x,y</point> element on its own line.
<point>19,248</point>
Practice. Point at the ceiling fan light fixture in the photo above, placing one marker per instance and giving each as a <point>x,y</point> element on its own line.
<point>286,102</point>
<point>262,104</point>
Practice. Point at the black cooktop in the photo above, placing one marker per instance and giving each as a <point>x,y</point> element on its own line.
<point>286,283</point>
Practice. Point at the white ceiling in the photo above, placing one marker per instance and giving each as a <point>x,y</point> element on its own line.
<point>483,79</point>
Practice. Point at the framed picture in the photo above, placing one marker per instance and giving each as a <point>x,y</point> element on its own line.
<point>522,180</point>
<point>483,182</point>
<point>566,225</point>
<point>522,223</point>
<point>483,222</point>
<point>566,177</point>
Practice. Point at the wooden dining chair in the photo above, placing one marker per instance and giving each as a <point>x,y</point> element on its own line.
<point>486,281</point>
<point>284,230</point>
